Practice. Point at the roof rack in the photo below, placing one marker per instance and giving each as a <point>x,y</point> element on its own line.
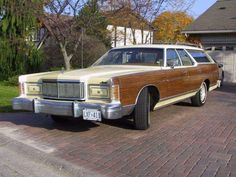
<point>180,43</point>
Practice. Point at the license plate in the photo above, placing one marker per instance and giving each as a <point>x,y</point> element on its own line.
<point>92,114</point>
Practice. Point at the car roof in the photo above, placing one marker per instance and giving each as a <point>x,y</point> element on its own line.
<point>164,46</point>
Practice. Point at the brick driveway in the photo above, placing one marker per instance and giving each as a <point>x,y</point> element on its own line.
<point>182,140</point>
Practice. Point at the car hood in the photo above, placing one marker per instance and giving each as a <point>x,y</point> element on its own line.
<point>105,72</point>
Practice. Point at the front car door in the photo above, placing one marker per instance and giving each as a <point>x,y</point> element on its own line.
<point>176,73</point>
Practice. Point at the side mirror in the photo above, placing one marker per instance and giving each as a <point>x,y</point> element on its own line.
<point>220,65</point>
<point>171,64</point>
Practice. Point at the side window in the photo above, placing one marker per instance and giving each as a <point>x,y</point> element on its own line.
<point>172,58</point>
<point>199,56</point>
<point>185,58</point>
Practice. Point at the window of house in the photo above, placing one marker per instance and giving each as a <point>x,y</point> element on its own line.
<point>219,48</point>
<point>172,58</point>
<point>199,56</point>
<point>229,48</point>
<point>185,58</point>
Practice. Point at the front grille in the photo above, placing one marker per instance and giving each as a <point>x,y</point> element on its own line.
<point>70,90</point>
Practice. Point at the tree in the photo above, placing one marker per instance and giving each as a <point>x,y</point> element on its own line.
<point>18,21</point>
<point>93,22</point>
<point>170,25</point>
<point>69,20</point>
<point>144,10</point>
<point>60,22</point>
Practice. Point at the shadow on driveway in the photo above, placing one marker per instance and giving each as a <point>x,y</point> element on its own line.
<point>227,87</point>
<point>72,124</point>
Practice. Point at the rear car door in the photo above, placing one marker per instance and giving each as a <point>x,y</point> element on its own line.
<point>192,82</point>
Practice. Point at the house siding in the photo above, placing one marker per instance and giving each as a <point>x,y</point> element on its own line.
<point>218,39</point>
<point>122,36</point>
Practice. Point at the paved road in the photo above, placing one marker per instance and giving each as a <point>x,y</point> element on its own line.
<point>182,141</point>
<point>20,160</point>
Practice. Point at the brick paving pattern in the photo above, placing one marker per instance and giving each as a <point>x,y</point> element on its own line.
<point>182,141</point>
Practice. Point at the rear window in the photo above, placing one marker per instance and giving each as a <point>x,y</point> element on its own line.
<point>199,56</point>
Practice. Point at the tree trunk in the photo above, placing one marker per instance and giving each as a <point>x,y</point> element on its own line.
<point>67,63</point>
<point>67,58</point>
<point>134,37</point>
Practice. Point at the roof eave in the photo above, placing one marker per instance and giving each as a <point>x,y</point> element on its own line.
<point>208,31</point>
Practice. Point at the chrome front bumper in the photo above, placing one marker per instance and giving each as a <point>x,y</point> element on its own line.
<point>70,108</point>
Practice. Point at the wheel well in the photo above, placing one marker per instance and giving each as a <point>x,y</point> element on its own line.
<point>155,96</point>
<point>207,83</point>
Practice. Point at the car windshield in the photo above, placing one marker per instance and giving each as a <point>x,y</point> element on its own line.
<point>133,56</point>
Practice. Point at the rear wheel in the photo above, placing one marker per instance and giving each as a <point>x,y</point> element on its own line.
<point>142,111</point>
<point>200,98</point>
<point>59,119</point>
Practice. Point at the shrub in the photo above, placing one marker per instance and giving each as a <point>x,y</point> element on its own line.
<point>11,81</point>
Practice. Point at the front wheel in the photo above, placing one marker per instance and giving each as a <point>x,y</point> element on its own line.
<point>142,111</point>
<point>200,98</point>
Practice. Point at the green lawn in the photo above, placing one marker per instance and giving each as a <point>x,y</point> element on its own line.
<point>6,95</point>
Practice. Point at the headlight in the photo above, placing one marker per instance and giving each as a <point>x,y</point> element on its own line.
<point>33,89</point>
<point>99,91</point>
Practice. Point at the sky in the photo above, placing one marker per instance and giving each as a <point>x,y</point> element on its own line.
<point>201,6</point>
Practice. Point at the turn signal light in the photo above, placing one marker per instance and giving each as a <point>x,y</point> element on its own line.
<point>115,93</point>
<point>21,88</point>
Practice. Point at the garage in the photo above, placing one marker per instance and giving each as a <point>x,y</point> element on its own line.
<point>216,31</point>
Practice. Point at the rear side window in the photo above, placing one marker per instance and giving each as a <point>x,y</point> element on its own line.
<point>199,56</point>
<point>186,60</point>
<point>172,58</point>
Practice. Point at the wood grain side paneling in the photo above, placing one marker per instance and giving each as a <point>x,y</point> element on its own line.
<point>170,82</point>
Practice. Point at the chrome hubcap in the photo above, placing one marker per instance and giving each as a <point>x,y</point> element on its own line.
<point>203,93</point>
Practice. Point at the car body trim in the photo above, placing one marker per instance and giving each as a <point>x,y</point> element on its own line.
<point>149,85</point>
<point>214,86</point>
<point>71,108</point>
<point>173,100</point>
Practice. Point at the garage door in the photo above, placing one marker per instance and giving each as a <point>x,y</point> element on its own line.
<point>228,58</point>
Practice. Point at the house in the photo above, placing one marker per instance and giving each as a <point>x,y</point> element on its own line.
<point>216,30</point>
<point>128,28</point>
